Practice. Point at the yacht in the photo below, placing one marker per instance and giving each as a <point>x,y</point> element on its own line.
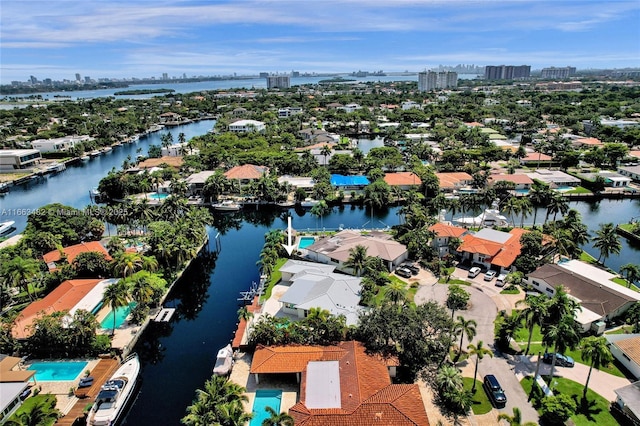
<point>114,394</point>
<point>227,206</point>
<point>309,202</point>
<point>55,168</point>
<point>6,226</point>
<point>490,217</point>
<point>224,361</point>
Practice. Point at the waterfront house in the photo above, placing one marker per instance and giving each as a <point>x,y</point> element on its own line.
<point>554,178</point>
<point>14,380</point>
<point>611,179</point>
<point>313,285</point>
<point>403,180</point>
<point>632,172</point>
<point>69,296</point>
<point>246,173</point>
<point>334,250</point>
<point>600,298</point>
<point>492,249</point>
<point>19,159</point>
<point>536,159</point>
<point>247,126</point>
<point>197,180</point>
<point>453,181</point>
<point>71,252</point>
<point>351,182</point>
<point>342,385</point>
<point>626,349</point>
<point>149,163</point>
<point>306,183</point>
<point>445,233</point>
<point>58,144</point>
<point>520,180</point>
<point>170,118</point>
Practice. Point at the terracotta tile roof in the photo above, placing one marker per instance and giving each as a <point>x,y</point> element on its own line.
<point>499,254</point>
<point>534,156</point>
<point>517,178</point>
<point>444,230</point>
<point>473,244</point>
<point>292,358</point>
<point>63,298</point>
<point>589,141</point>
<point>402,179</point>
<point>453,179</point>
<point>246,171</point>
<point>367,395</point>
<point>634,153</point>
<point>73,251</point>
<point>149,163</point>
<point>631,348</point>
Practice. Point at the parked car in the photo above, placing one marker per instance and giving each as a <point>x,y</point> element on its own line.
<point>489,275</point>
<point>411,267</point>
<point>561,360</point>
<point>403,272</point>
<point>494,391</point>
<point>474,272</point>
<point>500,280</point>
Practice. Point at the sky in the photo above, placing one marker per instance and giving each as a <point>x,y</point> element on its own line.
<point>144,38</point>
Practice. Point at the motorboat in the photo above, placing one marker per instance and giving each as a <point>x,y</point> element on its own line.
<point>309,202</point>
<point>490,217</point>
<point>85,158</point>
<point>55,168</point>
<point>224,361</point>
<point>6,226</point>
<point>114,394</point>
<point>94,154</point>
<point>227,206</point>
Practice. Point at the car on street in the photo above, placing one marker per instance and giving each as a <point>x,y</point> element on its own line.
<point>403,272</point>
<point>500,280</point>
<point>474,272</point>
<point>494,391</point>
<point>561,360</point>
<point>489,275</point>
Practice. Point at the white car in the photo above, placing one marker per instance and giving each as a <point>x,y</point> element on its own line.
<point>473,272</point>
<point>489,275</point>
<point>500,280</point>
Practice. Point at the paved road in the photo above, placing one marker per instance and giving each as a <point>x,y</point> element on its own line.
<point>483,310</point>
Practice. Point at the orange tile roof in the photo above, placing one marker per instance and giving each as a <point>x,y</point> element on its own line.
<point>473,244</point>
<point>367,395</point>
<point>499,254</point>
<point>246,171</point>
<point>63,298</point>
<point>589,141</point>
<point>635,153</point>
<point>452,179</point>
<point>402,179</point>
<point>517,178</point>
<point>534,156</point>
<point>444,230</point>
<point>73,251</point>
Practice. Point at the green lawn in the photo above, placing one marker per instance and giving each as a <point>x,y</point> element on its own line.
<point>30,402</point>
<point>521,336</point>
<point>596,412</point>
<point>276,276</point>
<point>586,257</point>
<point>511,290</point>
<point>624,283</point>
<point>411,290</point>
<point>627,329</point>
<point>576,354</point>
<point>480,401</point>
<point>443,280</point>
<point>579,190</point>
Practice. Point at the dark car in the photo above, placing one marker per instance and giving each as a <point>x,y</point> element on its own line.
<point>561,360</point>
<point>403,272</point>
<point>410,266</point>
<point>494,391</point>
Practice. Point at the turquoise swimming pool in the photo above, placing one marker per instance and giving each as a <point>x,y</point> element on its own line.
<point>57,371</point>
<point>305,242</point>
<point>265,398</point>
<point>158,195</point>
<point>121,316</point>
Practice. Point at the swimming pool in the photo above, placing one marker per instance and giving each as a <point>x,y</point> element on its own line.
<point>158,195</point>
<point>57,371</point>
<point>121,315</point>
<point>305,242</point>
<point>265,398</point>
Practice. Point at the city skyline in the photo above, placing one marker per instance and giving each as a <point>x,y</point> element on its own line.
<point>140,38</point>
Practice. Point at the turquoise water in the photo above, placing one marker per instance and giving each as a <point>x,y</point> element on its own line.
<point>158,195</point>
<point>121,315</point>
<point>57,371</point>
<point>305,242</point>
<point>265,398</point>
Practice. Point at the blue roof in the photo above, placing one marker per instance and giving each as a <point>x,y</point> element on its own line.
<point>341,180</point>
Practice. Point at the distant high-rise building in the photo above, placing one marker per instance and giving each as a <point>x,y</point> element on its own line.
<point>278,82</point>
<point>264,74</point>
<point>295,73</point>
<point>554,72</point>
<point>507,72</point>
<point>87,79</point>
<point>184,75</point>
<point>431,80</point>
<point>165,76</point>
<point>33,79</point>
<point>78,77</point>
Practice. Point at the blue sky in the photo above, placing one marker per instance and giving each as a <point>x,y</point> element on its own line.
<point>144,38</point>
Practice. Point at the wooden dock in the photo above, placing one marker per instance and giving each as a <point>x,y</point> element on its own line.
<point>101,373</point>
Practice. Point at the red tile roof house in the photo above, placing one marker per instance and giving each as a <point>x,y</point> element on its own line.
<point>450,181</point>
<point>342,386</point>
<point>72,252</point>
<point>444,233</point>
<point>492,249</point>
<point>535,158</point>
<point>403,180</point>
<point>246,173</point>
<point>521,180</point>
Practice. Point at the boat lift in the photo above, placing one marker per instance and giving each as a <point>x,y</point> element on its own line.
<point>257,289</point>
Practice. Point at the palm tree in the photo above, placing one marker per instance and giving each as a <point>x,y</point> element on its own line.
<point>516,419</point>
<point>325,151</point>
<point>525,208</point>
<point>244,314</point>
<point>559,306</point>
<point>116,295</point>
<point>534,313</point>
<point>214,404</point>
<point>464,327</point>
<point>631,273</point>
<point>607,241</point>
<point>561,335</point>
<point>18,272</point>
<point>395,292</point>
<point>277,419</point>
<point>141,289</point>
<point>557,204</point>
<point>127,263</point>
<point>43,412</point>
<point>596,350</point>
<point>357,259</point>
<point>320,210</point>
<point>448,379</point>
<point>479,351</point>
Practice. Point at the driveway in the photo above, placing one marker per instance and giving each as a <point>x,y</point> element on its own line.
<point>483,310</point>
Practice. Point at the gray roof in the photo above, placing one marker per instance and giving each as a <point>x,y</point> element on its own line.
<point>493,235</point>
<point>630,395</point>
<point>323,384</point>
<point>378,245</point>
<point>293,266</point>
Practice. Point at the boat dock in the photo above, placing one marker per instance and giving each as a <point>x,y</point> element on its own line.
<point>165,315</point>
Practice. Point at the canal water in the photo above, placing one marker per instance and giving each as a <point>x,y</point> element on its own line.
<point>178,357</point>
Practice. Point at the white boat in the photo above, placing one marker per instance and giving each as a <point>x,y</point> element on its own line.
<point>6,226</point>
<point>227,206</point>
<point>309,202</point>
<point>114,394</point>
<point>94,154</point>
<point>106,149</point>
<point>490,217</point>
<point>224,361</point>
<point>85,158</point>
<point>56,167</point>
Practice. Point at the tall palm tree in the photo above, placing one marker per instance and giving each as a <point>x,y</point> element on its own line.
<point>325,151</point>
<point>525,208</point>
<point>448,379</point>
<point>631,273</point>
<point>126,263</point>
<point>596,350</point>
<point>464,327</point>
<point>19,272</point>
<point>116,296</point>
<point>560,305</point>
<point>516,419</point>
<point>479,351</point>
<point>607,241</point>
<point>357,259</point>
<point>534,313</point>
<point>561,335</point>
<point>320,210</point>
<point>142,289</point>
<point>277,419</point>
<point>557,204</point>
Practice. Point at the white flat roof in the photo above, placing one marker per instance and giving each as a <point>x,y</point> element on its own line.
<point>93,298</point>
<point>9,392</point>
<point>323,384</point>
